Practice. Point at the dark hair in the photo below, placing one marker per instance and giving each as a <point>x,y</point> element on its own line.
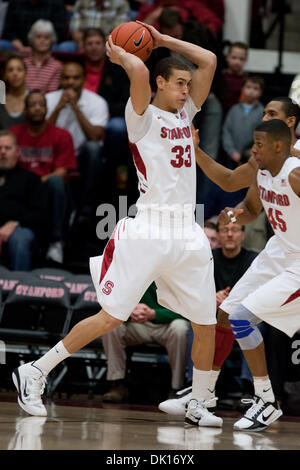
<point>34,92</point>
<point>169,18</point>
<point>276,129</point>
<point>210,224</point>
<point>255,79</point>
<point>239,45</point>
<point>289,107</point>
<point>93,32</point>
<point>166,66</point>
<point>15,57</point>
<point>73,62</point>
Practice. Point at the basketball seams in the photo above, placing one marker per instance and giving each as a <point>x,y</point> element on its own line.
<point>121,39</point>
<point>142,47</point>
<point>132,34</point>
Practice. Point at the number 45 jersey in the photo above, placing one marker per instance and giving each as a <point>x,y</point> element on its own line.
<point>162,147</point>
<point>282,205</point>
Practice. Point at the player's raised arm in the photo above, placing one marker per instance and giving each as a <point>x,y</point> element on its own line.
<point>205,61</point>
<point>138,74</point>
<point>246,211</point>
<point>229,180</point>
<point>294,179</point>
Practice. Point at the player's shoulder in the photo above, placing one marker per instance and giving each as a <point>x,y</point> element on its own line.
<point>129,109</point>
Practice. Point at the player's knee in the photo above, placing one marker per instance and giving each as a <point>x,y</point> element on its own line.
<point>109,321</point>
<point>243,324</point>
<point>202,332</point>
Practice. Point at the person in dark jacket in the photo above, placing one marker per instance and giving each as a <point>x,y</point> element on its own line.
<point>22,207</point>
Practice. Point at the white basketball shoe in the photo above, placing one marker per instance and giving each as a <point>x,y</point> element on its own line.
<point>178,406</point>
<point>259,416</point>
<point>198,415</point>
<point>30,384</point>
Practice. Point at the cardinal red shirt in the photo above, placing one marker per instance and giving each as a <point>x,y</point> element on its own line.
<point>45,153</point>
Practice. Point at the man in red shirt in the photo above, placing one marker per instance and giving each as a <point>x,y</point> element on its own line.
<point>48,151</point>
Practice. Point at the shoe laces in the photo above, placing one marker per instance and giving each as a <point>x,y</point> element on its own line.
<point>256,407</point>
<point>199,408</point>
<point>36,387</point>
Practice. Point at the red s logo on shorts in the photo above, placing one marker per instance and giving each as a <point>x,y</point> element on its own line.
<point>108,286</point>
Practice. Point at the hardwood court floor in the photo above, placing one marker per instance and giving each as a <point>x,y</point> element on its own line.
<point>132,428</point>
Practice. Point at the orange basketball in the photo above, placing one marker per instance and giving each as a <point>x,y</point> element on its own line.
<point>134,38</point>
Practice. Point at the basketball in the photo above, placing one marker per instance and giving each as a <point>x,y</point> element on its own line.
<point>134,38</point>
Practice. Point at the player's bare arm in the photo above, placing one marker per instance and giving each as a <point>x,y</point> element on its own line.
<point>205,61</point>
<point>229,180</point>
<point>246,211</point>
<point>294,180</point>
<point>138,74</point>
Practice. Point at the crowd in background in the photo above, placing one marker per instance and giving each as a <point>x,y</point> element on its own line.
<point>63,140</point>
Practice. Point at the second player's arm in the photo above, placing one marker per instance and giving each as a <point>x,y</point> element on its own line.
<point>229,180</point>
<point>247,210</point>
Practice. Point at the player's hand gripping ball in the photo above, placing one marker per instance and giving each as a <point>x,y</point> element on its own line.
<point>134,38</point>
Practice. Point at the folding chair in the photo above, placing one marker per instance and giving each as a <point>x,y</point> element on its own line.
<point>54,274</point>
<point>35,313</point>
<point>77,284</point>
<point>9,279</point>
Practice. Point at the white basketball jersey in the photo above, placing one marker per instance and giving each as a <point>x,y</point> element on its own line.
<point>282,205</point>
<point>162,147</point>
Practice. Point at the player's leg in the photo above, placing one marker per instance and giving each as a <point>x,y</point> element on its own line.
<point>264,409</point>
<point>30,378</point>
<point>117,295</point>
<point>188,288</point>
<point>265,267</point>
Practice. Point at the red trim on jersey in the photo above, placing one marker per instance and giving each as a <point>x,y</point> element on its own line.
<point>138,160</point>
<point>294,296</point>
<point>108,256</point>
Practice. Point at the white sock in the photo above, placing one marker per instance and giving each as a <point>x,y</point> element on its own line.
<point>263,388</point>
<point>201,382</point>
<point>213,379</point>
<point>53,357</point>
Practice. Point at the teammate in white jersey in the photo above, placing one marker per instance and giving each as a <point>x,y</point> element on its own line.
<point>277,299</point>
<point>143,249</point>
<point>268,262</point>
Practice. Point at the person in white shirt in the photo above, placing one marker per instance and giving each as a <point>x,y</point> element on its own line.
<point>163,243</point>
<point>84,114</point>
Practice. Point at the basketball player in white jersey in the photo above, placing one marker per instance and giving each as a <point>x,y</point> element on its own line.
<point>285,109</point>
<point>144,249</point>
<point>276,299</point>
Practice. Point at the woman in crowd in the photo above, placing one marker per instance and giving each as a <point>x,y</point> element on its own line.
<point>12,112</point>
<point>43,71</point>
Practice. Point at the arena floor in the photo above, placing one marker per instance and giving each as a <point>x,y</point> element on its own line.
<point>80,425</point>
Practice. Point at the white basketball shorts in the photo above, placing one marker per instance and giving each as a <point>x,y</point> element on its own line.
<point>134,257</point>
<point>270,289</point>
